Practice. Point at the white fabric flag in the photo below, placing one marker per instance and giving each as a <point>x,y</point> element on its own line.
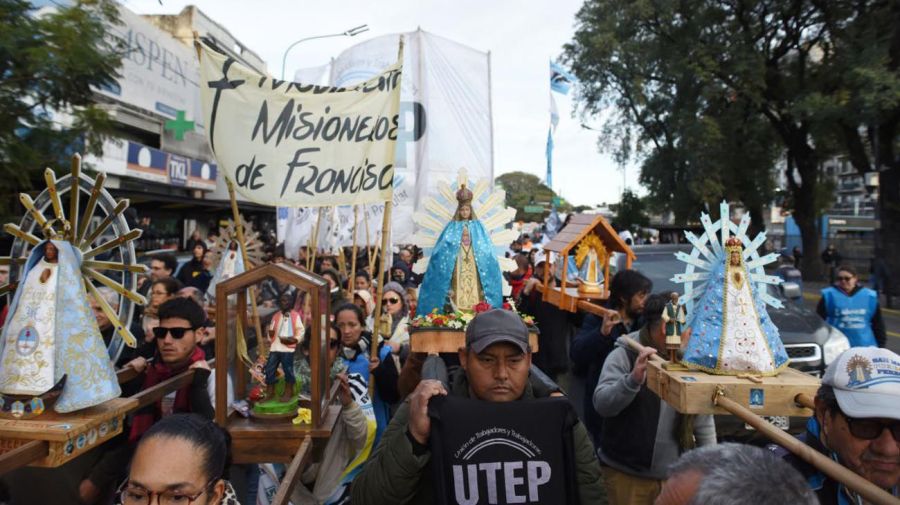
<point>445,123</point>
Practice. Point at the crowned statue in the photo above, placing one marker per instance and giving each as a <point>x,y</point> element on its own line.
<point>462,268</point>
<point>732,333</point>
<point>52,338</point>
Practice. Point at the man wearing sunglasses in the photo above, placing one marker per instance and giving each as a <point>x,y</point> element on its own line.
<point>853,309</point>
<point>856,423</point>
<point>177,338</point>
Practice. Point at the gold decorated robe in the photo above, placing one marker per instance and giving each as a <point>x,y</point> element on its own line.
<point>466,285</point>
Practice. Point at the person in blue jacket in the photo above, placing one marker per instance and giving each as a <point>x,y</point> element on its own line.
<point>853,309</point>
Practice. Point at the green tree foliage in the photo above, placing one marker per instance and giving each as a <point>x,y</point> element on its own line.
<point>710,93</point>
<point>527,189</point>
<point>50,62</point>
<point>631,212</point>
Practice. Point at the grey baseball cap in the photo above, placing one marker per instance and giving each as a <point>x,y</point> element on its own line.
<point>496,325</point>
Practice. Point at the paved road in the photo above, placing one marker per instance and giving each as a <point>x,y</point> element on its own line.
<point>891,317</point>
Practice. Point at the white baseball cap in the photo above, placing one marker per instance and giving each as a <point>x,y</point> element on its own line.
<point>866,382</point>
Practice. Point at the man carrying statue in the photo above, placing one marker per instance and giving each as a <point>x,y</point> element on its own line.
<point>494,369</point>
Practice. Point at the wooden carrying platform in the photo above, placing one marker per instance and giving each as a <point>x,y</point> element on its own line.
<point>692,392</point>
<point>67,435</point>
<point>436,341</point>
<point>255,442</point>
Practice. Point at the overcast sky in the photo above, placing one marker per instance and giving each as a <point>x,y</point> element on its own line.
<point>522,37</point>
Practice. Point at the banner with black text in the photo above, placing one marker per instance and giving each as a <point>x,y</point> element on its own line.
<point>290,144</point>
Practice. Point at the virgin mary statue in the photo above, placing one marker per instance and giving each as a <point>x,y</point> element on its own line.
<point>463,270</point>
<point>732,333</point>
<point>52,334</point>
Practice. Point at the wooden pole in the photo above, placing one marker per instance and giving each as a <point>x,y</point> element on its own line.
<point>74,193</point>
<point>315,241</point>
<point>805,401</point>
<point>261,340</point>
<point>26,453</point>
<point>368,242</point>
<point>292,476</point>
<point>870,492</point>
<point>385,235</point>
<point>351,283</point>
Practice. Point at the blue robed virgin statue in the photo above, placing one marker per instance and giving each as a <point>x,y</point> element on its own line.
<point>463,269</point>
<point>731,332</point>
<point>52,333</point>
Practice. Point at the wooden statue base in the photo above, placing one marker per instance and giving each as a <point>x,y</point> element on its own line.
<point>276,441</point>
<point>68,435</point>
<point>438,340</point>
<point>691,391</point>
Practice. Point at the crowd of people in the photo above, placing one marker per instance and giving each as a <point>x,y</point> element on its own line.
<point>630,446</point>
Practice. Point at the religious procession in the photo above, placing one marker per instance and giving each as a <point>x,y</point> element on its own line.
<point>391,271</point>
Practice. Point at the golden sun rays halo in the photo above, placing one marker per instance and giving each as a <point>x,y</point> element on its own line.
<point>488,206</point>
<point>228,234</point>
<point>95,226</point>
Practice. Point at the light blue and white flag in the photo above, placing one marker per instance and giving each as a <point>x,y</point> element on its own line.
<point>561,80</point>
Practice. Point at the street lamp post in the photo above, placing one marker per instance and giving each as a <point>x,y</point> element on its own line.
<point>348,33</point>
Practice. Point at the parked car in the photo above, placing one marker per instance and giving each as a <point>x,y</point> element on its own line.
<point>810,342</point>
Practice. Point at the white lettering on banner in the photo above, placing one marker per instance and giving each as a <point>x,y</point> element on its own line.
<point>466,481</point>
<point>291,144</point>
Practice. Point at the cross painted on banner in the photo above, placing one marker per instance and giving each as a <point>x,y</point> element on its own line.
<point>179,125</point>
<point>220,85</point>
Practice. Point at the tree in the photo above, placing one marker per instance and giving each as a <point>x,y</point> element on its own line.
<point>631,212</point>
<point>527,189</point>
<point>50,62</point>
<point>775,64</point>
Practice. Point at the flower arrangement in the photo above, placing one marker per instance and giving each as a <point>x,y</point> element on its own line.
<point>459,319</point>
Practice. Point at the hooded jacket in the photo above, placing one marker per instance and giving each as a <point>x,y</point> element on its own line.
<point>397,474</point>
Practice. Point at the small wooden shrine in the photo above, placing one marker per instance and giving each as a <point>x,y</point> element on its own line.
<point>254,441</point>
<point>585,235</point>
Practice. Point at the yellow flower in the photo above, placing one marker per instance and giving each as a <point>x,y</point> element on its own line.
<point>304,416</point>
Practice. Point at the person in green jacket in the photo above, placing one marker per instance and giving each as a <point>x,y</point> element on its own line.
<point>495,368</point>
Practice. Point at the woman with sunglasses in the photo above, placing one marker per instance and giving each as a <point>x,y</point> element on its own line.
<point>181,460</point>
<point>352,348</point>
<point>853,309</point>
<point>393,302</point>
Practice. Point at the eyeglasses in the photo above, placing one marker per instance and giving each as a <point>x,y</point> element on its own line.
<point>134,495</point>
<point>177,333</point>
<point>390,300</point>
<point>844,278</point>
<point>870,429</point>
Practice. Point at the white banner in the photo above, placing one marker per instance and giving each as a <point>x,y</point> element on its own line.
<point>291,144</point>
<point>445,118</point>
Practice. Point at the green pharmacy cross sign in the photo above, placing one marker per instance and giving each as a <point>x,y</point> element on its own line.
<point>179,125</point>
